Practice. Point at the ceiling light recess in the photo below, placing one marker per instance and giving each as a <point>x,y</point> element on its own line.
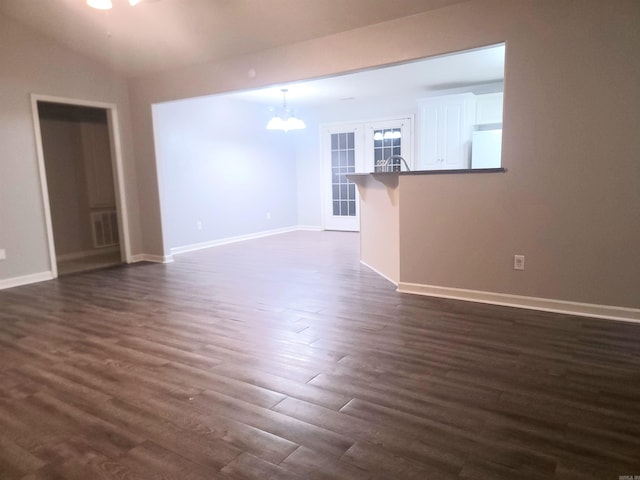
<point>107,5</point>
<point>100,4</point>
<point>285,120</point>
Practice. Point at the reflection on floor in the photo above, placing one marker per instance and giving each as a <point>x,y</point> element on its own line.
<point>92,262</point>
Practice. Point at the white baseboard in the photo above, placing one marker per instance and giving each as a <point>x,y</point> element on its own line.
<point>239,238</point>
<point>379,273</point>
<point>309,228</point>
<point>86,253</point>
<point>25,279</point>
<point>608,312</point>
<point>146,257</point>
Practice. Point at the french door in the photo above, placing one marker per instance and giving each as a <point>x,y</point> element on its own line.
<point>355,148</point>
<point>343,153</point>
<point>386,138</point>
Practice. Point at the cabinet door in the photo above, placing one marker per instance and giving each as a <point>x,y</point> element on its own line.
<point>446,132</point>
<point>489,108</point>
<point>452,136</point>
<point>429,158</point>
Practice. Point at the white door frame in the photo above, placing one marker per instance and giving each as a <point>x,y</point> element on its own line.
<point>116,166</point>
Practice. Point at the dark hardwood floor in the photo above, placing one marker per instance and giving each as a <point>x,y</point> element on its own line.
<point>284,358</point>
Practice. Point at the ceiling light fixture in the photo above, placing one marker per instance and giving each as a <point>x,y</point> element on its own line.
<point>100,4</point>
<point>107,5</point>
<point>285,120</point>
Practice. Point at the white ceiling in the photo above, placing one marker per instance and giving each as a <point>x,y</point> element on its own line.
<point>163,34</point>
<point>479,71</point>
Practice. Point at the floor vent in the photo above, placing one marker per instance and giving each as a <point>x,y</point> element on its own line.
<point>105,228</point>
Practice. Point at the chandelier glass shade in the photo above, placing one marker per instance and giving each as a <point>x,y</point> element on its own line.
<point>285,120</point>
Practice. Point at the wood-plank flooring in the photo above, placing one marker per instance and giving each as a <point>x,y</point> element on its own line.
<point>284,358</point>
<point>93,262</point>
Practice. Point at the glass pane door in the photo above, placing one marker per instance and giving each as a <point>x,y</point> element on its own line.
<point>343,161</point>
<point>386,142</point>
<point>343,153</point>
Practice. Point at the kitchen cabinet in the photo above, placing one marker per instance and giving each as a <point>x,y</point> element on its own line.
<point>445,132</point>
<point>489,109</point>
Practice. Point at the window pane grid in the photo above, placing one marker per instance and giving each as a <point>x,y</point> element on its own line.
<point>387,142</point>
<point>343,191</point>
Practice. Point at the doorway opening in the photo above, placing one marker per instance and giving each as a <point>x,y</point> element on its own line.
<point>80,177</point>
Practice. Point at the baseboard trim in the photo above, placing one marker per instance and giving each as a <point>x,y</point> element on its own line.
<point>86,253</point>
<point>239,238</point>
<point>146,257</point>
<point>379,273</point>
<point>607,312</point>
<point>25,280</point>
<point>309,228</point>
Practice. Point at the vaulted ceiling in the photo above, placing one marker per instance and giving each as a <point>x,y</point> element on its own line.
<point>157,35</point>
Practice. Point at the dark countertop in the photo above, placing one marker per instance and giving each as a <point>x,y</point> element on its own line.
<point>431,172</point>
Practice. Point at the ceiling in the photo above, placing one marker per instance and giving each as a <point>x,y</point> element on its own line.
<point>478,71</point>
<point>156,35</point>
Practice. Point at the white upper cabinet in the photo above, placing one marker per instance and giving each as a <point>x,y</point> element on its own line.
<point>489,108</point>
<point>445,132</point>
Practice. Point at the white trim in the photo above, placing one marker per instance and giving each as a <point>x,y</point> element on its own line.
<point>379,273</point>
<point>118,180</point>
<point>608,312</point>
<point>86,253</point>
<point>44,189</point>
<point>25,280</point>
<point>321,179</point>
<point>147,257</point>
<point>227,240</point>
<point>117,167</point>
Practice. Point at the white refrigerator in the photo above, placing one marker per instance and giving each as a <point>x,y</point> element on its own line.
<point>486,148</point>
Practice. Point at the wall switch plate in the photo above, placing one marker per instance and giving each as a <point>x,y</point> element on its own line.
<point>268,215</point>
<point>199,225</point>
<point>518,262</point>
<point>3,254</point>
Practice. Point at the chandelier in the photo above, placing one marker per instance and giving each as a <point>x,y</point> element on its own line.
<point>285,120</point>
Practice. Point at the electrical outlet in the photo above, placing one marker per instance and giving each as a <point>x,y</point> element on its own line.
<point>268,215</point>
<point>199,225</point>
<point>518,262</point>
<point>3,254</point>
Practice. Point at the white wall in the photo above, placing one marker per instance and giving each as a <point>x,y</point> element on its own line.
<point>33,64</point>
<point>218,165</point>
